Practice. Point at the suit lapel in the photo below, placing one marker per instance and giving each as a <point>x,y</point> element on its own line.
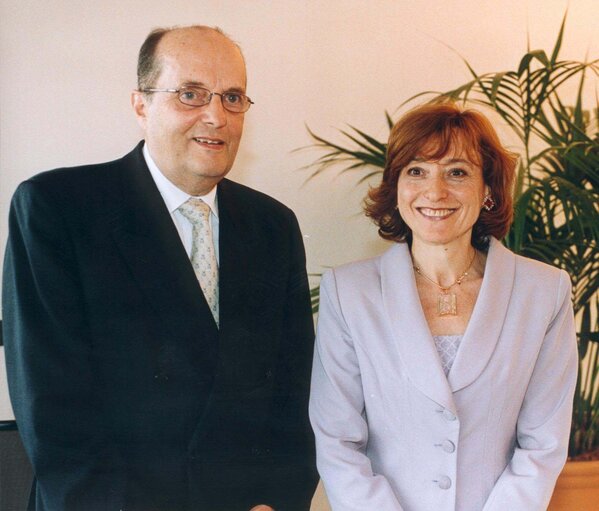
<point>488,317</point>
<point>410,329</point>
<point>236,248</point>
<point>149,242</point>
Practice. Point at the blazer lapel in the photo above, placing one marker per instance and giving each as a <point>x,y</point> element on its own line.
<point>488,317</point>
<point>412,334</point>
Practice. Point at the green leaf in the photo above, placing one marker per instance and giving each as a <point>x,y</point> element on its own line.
<point>539,55</point>
<point>560,36</point>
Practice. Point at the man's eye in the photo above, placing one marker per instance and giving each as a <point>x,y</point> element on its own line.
<point>232,98</point>
<point>189,95</point>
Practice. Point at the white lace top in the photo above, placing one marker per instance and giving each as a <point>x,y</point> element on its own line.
<point>447,347</point>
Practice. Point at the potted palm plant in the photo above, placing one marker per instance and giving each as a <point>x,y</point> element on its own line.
<point>556,207</point>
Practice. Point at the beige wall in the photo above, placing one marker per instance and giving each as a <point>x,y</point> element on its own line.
<point>67,67</point>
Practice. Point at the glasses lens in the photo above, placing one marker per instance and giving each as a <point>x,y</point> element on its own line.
<point>198,96</point>
<point>194,96</point>
<point>235,102</point>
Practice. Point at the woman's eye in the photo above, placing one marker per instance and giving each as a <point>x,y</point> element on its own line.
<point>457,172</point>
<point>414,171</point>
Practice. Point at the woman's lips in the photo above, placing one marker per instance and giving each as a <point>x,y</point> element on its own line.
<point>436,213</point>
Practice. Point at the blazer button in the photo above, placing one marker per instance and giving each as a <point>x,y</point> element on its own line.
<point>448,416</point>
<point>444,482</point>
<point>448,446</point>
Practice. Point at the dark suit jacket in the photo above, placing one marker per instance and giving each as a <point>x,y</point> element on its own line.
<point>126,394</point>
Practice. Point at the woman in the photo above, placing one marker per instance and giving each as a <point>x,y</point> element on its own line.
<point>445,368</point>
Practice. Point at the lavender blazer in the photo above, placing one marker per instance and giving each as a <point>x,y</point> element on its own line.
<point>394,433</point>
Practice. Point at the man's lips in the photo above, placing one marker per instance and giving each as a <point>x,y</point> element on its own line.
<point>436,213</point>
<point>212,143</point>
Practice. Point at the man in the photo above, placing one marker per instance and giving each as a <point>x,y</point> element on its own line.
<point>157,319</point>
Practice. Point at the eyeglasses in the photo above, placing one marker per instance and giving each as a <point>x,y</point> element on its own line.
<point>198,96</point>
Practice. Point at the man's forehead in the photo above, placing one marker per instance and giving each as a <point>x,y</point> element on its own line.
<point>182,39</point>
<point>198,42</point>
<point>196,53</point>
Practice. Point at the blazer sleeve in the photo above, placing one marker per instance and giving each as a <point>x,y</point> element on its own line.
<point>337,412</point>
<point>545,418</point>
<point>48,352</point>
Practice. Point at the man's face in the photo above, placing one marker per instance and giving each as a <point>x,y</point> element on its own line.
<point>194,147</point>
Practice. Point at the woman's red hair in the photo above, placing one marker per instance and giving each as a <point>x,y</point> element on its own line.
<point>430,131</point>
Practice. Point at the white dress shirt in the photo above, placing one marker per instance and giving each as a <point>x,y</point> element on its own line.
<point>174,197</point>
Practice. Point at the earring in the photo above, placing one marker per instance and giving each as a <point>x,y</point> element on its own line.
<point>488,202</point>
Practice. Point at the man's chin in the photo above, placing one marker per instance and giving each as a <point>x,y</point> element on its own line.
<point>199,182</point>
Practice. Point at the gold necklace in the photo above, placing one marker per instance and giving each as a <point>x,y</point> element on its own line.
<point>447,303</point>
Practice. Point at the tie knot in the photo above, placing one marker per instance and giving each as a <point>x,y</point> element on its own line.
<point>195,210</point>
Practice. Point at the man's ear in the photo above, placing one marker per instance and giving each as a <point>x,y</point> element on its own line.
<point>139,104</point>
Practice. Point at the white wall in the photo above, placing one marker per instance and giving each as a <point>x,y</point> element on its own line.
<point>67,67</point>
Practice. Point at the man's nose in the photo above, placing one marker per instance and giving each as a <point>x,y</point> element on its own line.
<point>214,112</point>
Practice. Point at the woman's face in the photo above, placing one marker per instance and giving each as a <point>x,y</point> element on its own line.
<point>440,200</point>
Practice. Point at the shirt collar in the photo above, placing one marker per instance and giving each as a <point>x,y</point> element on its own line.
<point>173,196</point>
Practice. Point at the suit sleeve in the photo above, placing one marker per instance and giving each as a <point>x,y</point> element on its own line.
<point>338,415</point>
<point>545,418</point>
<point>49,367</point>
<point>294,477</point>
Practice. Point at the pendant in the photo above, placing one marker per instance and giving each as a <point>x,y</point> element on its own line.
<point>447,304</point>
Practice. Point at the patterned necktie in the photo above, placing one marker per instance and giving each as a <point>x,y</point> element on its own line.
<point>203,258</point>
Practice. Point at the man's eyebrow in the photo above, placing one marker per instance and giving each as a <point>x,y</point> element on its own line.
<point>241,90</point>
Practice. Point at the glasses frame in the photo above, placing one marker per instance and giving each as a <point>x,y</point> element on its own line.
<point>211,94</point>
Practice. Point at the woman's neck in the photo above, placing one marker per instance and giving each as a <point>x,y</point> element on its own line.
<point>444,264</point>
